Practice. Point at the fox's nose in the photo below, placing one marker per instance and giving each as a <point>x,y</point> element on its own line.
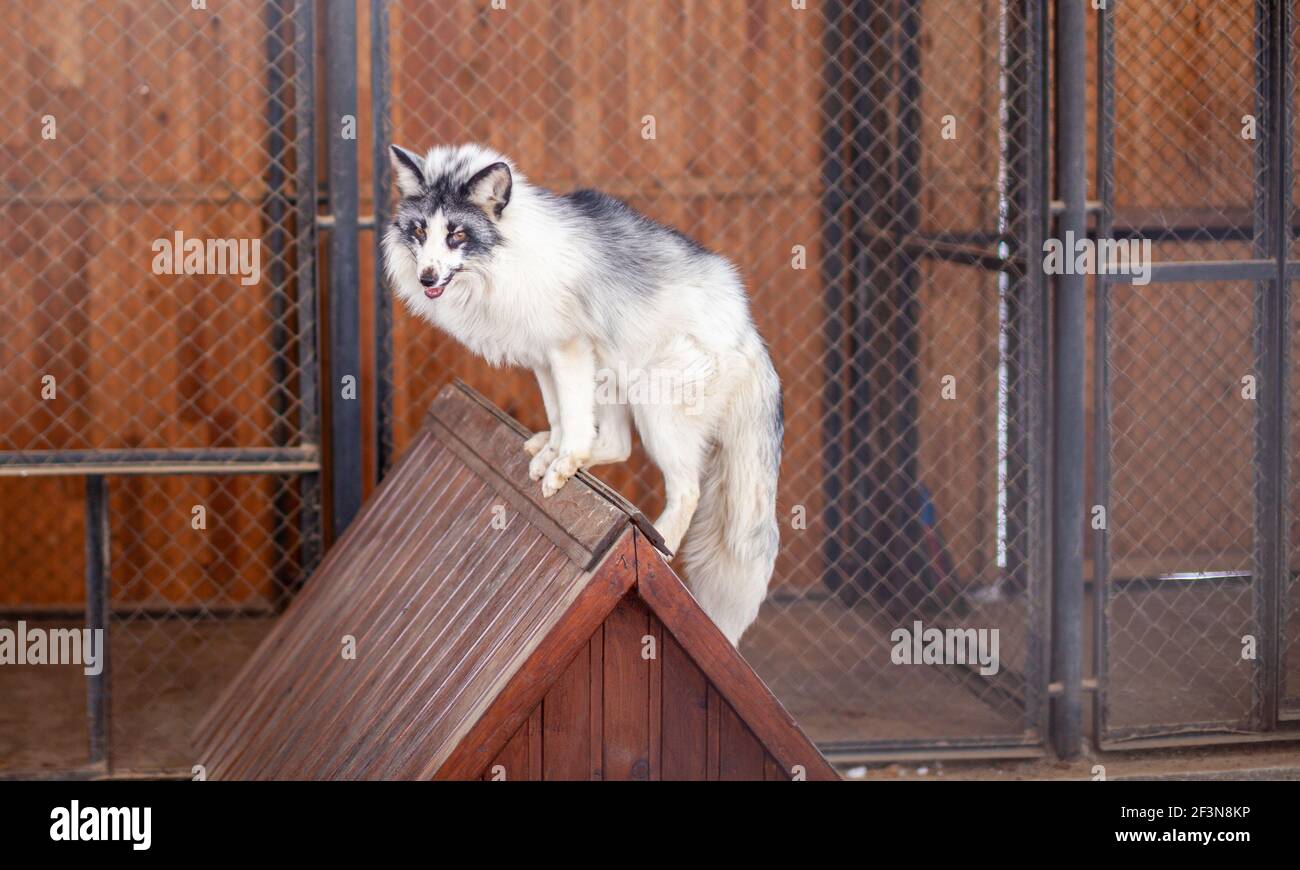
<point>429,278</point>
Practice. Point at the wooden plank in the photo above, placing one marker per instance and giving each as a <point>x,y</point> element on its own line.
<point>684,727</point>
<point>256,695</point>
<point>596,651</point>
<point>626,690</point>
<point>713,717</point>
<point>535,745</point>
<point>654,703</point>
<point>511,763</point>
<point>740,756</point>
<point>566,722</point>
<point>465,637</point>
<point>772,771</point>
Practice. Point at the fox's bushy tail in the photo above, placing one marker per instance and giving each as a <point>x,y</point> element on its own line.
<point>731,546</point>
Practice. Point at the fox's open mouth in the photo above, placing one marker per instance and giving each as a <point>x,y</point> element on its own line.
<point>437,289</point>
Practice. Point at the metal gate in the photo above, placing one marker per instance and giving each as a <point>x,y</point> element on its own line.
<point>1194,556</point>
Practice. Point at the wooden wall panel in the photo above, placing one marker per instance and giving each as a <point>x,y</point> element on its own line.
<point>562,87</point>
<point>1182,442</point>
<point>626,694</point>
<point>685,707</point>
<point>511,764</point>
<point>42,554</point>
<point>960,73</point>
<point>148,101</point>
<point>160,114</point>
<point>958,436</point>
<point>617,715</point>
<point>1185,78</point>
<point>741,757</point>
<point>566,722</point>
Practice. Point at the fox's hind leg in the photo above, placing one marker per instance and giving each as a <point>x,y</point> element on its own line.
<point>613,434</point>
<point>679,444</point>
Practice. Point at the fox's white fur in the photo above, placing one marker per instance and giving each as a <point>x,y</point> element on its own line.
<point>582,289</point>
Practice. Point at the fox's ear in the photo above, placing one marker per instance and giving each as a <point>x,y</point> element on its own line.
<point>408,171</point>
<point>489,189</point>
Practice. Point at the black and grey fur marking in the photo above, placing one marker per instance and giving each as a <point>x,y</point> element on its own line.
<point>450,194</point>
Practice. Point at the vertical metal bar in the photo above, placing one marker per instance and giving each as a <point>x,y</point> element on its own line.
<point>833,277</point>
<point>382,135</point>
<point>1283,336</point>
<point>1026,206</point>
<point>1040,319</point>
<point>1279,430</point>
<point>345,470</point>
<point>276,210</point>
<point>1101,441</point>
<point>309,408</point>
<point>875,500</point>
<point>1068,330</point>
<point>98,697</point>
<point>867,501</point>
<point>1272,204</point>
<point>908,320</point>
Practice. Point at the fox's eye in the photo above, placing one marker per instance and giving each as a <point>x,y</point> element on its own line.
<point>457,237</point>
<point>419,232</point>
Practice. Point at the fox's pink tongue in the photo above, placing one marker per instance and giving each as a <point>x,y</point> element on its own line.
<point>433,292</point>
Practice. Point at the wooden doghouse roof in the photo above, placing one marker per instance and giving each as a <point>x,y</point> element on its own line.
<point>466,627</point>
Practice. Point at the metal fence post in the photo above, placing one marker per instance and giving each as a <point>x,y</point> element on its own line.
<point>1271,313</point>
<point>305,239</point>
<point>833,275</point>
<point>1101,381</point>
<point>97,615</point>
<point>1069,314</point>
<point>344,273</point>
<point>381,129</point>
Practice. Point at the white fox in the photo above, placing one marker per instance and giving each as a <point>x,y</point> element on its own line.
<point>590,295</point>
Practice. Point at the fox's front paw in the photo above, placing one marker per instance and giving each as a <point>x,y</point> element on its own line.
<point>534,445</point>
<point>541,462</point>
<point>558,474</point>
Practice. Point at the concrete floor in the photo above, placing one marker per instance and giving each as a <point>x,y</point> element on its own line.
<point>165,675</point>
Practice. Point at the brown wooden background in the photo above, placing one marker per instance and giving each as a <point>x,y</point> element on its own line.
<point>149,97</point>
<point>735,89</point>
<point>161,126</point>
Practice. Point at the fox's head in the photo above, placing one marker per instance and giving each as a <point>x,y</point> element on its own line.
<point>448,220</point>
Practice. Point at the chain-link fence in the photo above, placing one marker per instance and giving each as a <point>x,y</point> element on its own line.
<point>879,171</point>
<point>870,168</point>
<point>1196,109</point>
<point>158,423</point>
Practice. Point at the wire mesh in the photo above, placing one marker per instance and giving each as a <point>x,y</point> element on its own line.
<point>149,212</point>
<point>895,149</point>
<point>1191,167</point>
<point>890,143</point>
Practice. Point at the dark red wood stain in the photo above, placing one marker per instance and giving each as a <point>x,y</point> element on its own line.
<point>627,693</point>
<point>499,636</point>
<point>685,727</point>
<point>566,722</point>
<point>742,756</point>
